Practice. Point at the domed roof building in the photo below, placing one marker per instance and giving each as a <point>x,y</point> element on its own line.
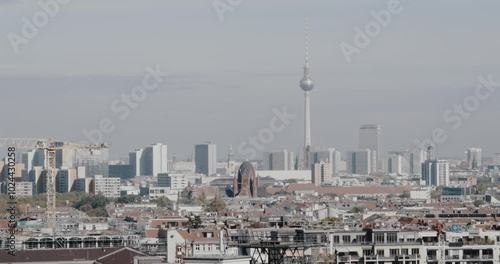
<point>245,182</point>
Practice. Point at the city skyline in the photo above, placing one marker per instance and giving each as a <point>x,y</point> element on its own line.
<point>250,132</point>
<point>203,88</point>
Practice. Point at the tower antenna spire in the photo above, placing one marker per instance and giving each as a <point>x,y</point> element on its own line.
<point>307,43</point>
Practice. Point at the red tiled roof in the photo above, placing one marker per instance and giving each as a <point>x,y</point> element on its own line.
<point>122,256</point>
<point>341,189</point>
<point>53,255</point>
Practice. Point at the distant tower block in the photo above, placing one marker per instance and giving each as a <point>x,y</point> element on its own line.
<point>307,84</point>
<point>245,182</point>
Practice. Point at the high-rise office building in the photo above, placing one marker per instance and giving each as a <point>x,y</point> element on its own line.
<point>278,160</point>
<point>359,162</point>
<point>369,138</point>
<point>155,159</point>
<point>84,185</point>
<point>330,156</point>
<point>395,164</point>
<point>320,173</point>
<point>134,159</point>
<point>205,158</point>
<point>65,180</point>
<point>410,163</point>
<point>435,172</point>
<point>28,159</point>
<point>94,161</point>
<point>496,158</point>
<point>473,158</point>
<point>417,157</point>
<point>149,161</point>
<point>35,176</point>
<point>33,158</point>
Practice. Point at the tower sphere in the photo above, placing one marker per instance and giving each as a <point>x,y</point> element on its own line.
<point>307,84</point>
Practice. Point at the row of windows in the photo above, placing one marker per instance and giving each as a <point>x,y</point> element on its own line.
<point>202,247</point>
<point>378,238</point>
<point>392,252</point>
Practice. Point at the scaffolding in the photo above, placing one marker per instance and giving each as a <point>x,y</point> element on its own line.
<point>290,248</point>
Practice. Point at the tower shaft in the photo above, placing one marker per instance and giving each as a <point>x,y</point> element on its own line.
<point>307,120</point>
<point>307,129</point>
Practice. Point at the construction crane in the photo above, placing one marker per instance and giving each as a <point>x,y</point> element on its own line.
<point>50,146</point>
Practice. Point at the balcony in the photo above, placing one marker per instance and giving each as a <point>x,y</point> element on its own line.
<point>472,257</point>
<point>408,257</point>
<point>378,258</point>
<point>354,258</point>
<point>463,258</point>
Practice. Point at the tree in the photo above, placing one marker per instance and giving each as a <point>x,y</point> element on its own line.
<point>481,188</point>
<point>216,205</point>
<point>163,202</point>
<point>129,199</point>
<point>436,193</point>
<point>195,222</point>
<point>99,212</point>
<point>357,209</point>
<point>130,219</point>
<point>478,203</point>
<point>405,194</point>
<point>201,200</point>
<point>96,201</point>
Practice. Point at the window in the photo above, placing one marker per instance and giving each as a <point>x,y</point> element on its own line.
<point>336,239</point>
<point>380,252</point>
<point>179,249</point>
<point>367,252</point>
<point>360,238</point>
<point>346,239</point>
<point>379,238</point>
<point>209,247</point>
<point>394,252</point>
<point>197,247</point>
<point>415,251</point>
<point>392,237</point>
<point>404,251</point>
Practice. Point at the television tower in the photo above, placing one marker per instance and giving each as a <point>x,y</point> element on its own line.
<point>307,84</point>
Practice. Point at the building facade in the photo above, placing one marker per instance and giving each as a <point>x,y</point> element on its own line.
<point>205,156</point>
<point>330,156</point>
<point>369,138</point>
<point>109,187</point>
<point>359,162</point>
<point>320,173</point>
<point>473,158</point>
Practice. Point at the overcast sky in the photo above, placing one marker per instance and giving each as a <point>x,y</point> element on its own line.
<point>227,76</point>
